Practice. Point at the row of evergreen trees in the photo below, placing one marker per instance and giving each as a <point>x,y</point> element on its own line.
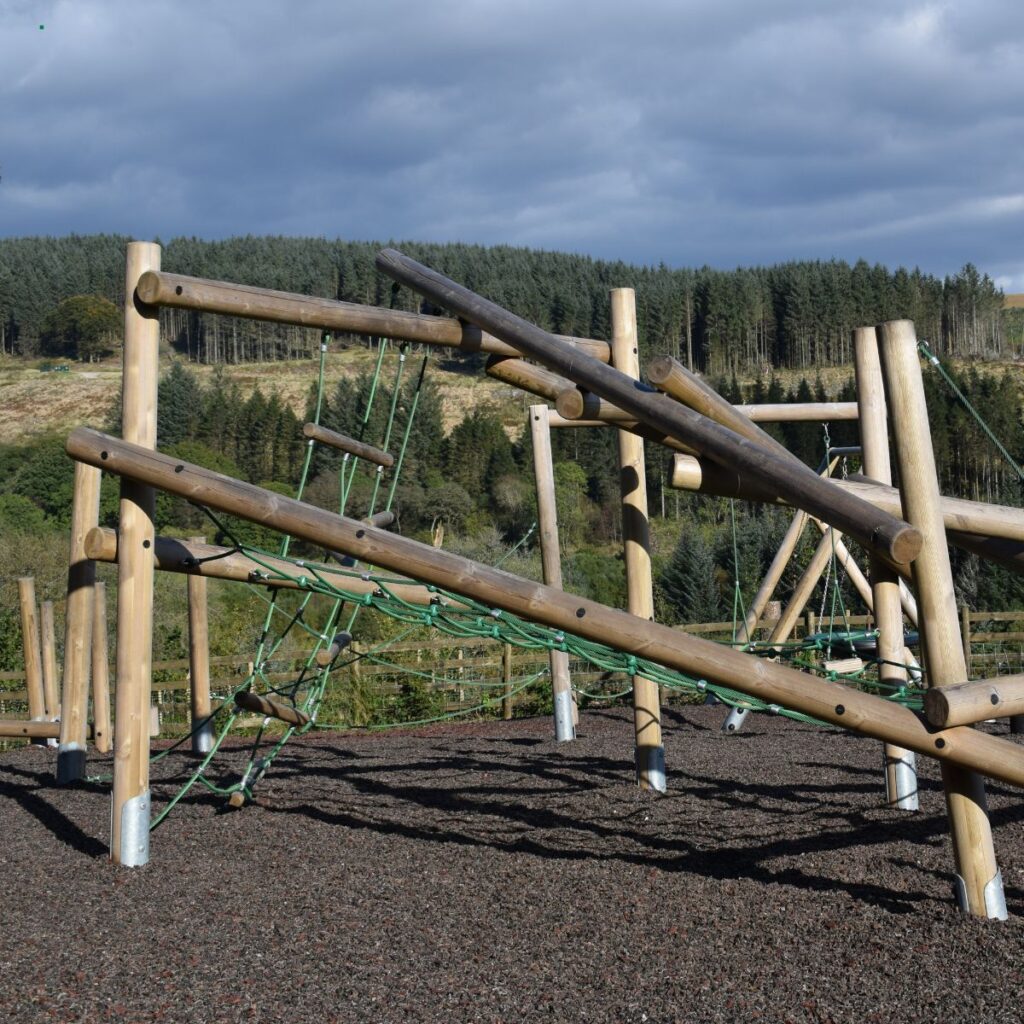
<point>796,315</point>
<point>477,483</point>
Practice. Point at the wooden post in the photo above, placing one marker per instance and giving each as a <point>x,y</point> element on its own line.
<point>965,636</point>
<point>129,827</point>
<point>774,573</point>
<point>827,701</point>
<point>48,648</point>
<point>506,678</point>
<point>636,539</point>
<point>101,731</point>
<point>803,590</point>
<point>30,650</point>
<point>85,514</point>
<point>199,662</point>
<point>551,564</point>
<point>979,884</point>
<point>900,764</point>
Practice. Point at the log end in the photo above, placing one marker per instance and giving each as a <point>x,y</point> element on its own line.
<point>96,546</point>
<point>936,707</point>
<point>147,289</point>
<point>570,404</point>
<point>659,369</point>
<point>905,544</point>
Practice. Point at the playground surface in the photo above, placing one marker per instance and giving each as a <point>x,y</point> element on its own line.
<point>482,872</point>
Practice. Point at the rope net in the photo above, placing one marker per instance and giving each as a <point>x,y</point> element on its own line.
<point>289,584</point>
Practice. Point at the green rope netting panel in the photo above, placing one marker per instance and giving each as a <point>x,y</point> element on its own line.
<point>348,586</point>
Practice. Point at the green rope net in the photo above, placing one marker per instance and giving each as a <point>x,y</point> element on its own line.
<point>293,582</point>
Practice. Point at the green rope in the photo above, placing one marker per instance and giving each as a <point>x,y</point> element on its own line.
<point>934,360</point>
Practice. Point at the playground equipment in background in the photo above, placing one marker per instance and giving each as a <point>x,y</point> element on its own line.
<point>915,546</point>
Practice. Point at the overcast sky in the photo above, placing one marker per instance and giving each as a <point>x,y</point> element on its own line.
<point>726,132</point>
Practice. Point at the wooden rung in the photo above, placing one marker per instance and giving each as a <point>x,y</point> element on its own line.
<point>343,443</point>
<point>13,729</point>
<point>844,665</point>
<point>341,640</point>
<point>967,703</point>
<point>271,708</point>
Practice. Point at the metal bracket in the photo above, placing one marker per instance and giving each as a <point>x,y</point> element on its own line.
<point>134,850</point>
<point>654,769</point>
<point>995,898</point>
<point>564,729</point>
<point>734,720</point>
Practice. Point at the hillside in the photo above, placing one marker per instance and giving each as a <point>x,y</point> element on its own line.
<point>36,401</point>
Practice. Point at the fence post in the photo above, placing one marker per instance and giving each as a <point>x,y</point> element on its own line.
<point>31,653</point>
<point>199,662</point>
<point>506,678</point>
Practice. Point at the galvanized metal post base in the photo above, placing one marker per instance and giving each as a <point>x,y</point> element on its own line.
<point>995,898</point>
<point>41,741</point>
<point>901,781</point>
<point>735,719</point>
<point>70,763</point>
<point>134,846</point>
<point>202,738</point>
<point>650,768</point>
<point>564,727</point>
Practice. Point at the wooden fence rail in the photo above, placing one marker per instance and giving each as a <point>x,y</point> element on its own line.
<point>451,667</point>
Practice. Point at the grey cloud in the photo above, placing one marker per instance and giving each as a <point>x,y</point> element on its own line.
<point>719,132</point>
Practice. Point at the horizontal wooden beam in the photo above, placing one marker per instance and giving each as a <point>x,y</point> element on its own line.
<point>222,563</point>
<point>155,288</point>
<point>344,443</point>
<point>577,404</point>
<point>799,412</point>
<point>993,531</point>
<point>17,729</point>
<point>700,659</point>
<point>877,531</point>
<point>968,703</point>
<point>526,376</point>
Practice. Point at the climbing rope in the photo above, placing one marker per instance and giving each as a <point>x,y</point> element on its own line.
<point>934,360</point>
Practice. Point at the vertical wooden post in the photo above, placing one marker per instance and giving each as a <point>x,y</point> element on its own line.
<point>636,538</point>
<point>48,648</point>
<point>979,884</point>
<point>31,653</point>
<point>900,764</point>
<point>965,636</point>
<point>85,514</point>
<point>551,564</point>
<point>129,826</point>
<point>199,662</point>
<point>506,678</point>
<point>100,671</point>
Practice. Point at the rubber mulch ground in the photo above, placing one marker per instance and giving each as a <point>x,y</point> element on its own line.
<point>485,873</point>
